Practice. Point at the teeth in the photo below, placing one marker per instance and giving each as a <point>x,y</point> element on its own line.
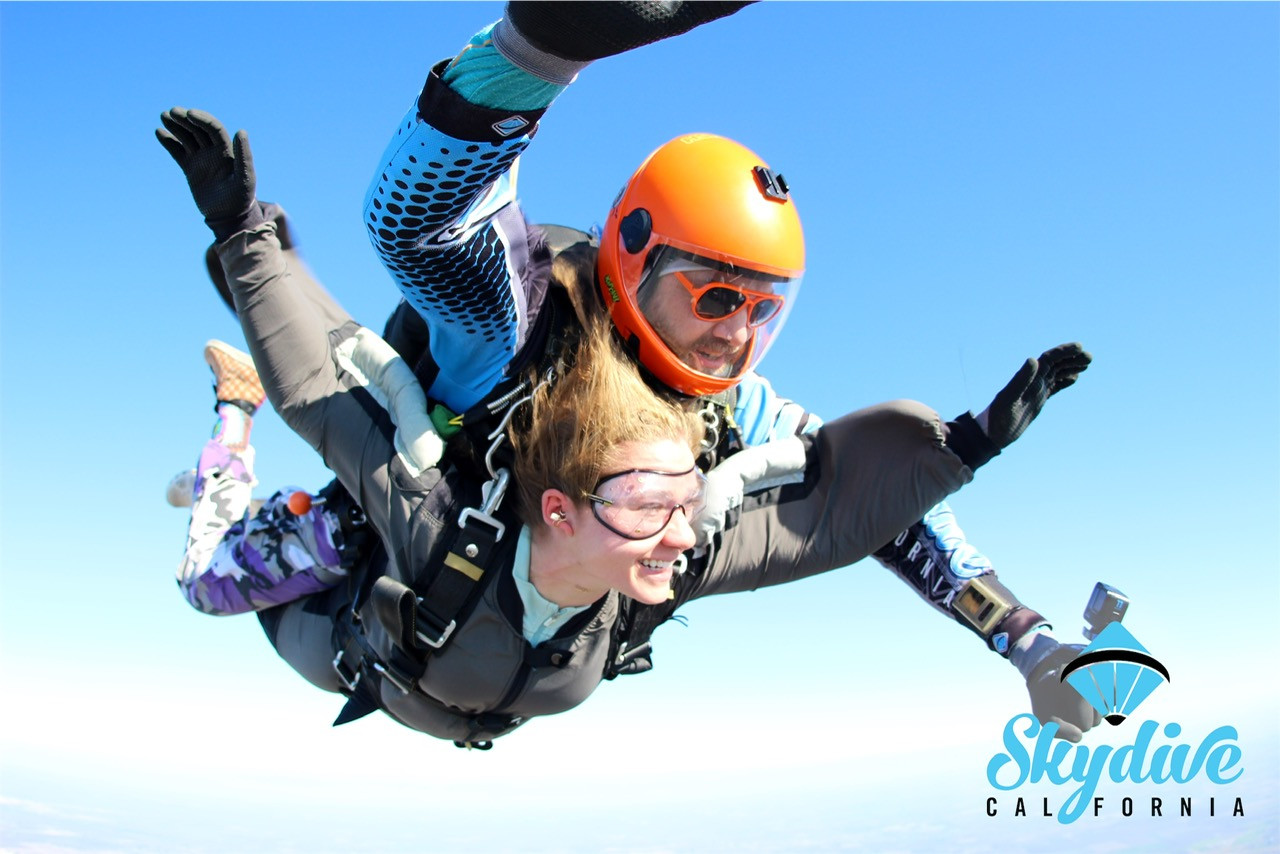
<point>655,564</point>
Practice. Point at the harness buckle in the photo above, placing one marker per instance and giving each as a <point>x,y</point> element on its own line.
<point>492,492</point>
<point>491,496</point>
<point>391,676</point>
<point>349,684</point>
<point>437,642</point>
<point>480,516</point>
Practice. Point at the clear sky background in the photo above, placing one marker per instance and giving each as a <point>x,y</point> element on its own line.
<point>977,182</point>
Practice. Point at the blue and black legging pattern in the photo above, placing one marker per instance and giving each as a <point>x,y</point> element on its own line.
<point>431,218</point>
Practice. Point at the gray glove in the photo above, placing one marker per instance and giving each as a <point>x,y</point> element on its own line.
<point>554,40</point>
<point>219,170</point>
<point>1019,402</point>
<point>1053,700</point>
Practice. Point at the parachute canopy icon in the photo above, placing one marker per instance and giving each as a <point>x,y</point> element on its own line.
<point>1115,673</point>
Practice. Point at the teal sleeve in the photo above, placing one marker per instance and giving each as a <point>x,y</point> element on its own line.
<point>484,77</point>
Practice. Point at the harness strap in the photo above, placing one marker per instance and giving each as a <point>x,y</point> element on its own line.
<point>352,537</point>
<point>348,665</point>
<point>463,571</point>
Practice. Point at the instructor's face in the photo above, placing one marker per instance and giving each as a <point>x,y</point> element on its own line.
<point>712,347</point>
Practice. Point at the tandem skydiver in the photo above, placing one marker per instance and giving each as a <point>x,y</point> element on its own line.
<point>476,615</point>
<point>733,284</point>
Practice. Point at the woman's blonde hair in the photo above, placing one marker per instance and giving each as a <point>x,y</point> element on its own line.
<point>577,420</point>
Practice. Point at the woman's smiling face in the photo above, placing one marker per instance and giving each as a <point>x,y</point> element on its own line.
<point>640,569</point>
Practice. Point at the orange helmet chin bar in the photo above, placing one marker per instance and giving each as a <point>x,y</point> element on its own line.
<point>713,201</point>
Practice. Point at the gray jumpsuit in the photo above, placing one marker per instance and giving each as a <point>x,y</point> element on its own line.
<point>866,477</point>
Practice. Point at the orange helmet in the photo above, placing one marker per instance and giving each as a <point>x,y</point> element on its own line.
<point>700,260</point>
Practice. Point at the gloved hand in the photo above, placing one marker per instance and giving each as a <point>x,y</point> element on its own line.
<point>1053,700</point>
<point>219,170</point>
<point>751,470</point>
<point>724,493</point>
<point>583,32</point>
<point>1019,402</point>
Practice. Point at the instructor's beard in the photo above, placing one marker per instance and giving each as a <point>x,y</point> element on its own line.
<point>708,354</point>
<point>663,303</point>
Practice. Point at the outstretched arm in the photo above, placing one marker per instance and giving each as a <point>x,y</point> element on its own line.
<point>934,558</point>
<point>337,385</point>
<point>286,330</point>
<point>778,459</point>
<point>441,210</point>
<point>825,503</point>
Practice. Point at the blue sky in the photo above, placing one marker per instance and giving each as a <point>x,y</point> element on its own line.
<point>978,182</point>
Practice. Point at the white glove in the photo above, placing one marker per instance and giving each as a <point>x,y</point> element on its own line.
<point>753,470</point>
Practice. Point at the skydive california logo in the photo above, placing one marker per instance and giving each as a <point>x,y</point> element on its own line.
<point>1115,674</point>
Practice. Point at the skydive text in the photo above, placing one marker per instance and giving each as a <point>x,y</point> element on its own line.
<point>1040,757</point>
<point>1158,807</point>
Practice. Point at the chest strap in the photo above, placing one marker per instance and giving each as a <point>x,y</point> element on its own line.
<point>420,625</point>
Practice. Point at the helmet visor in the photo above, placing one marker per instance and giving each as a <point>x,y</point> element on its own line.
<point>715,316</point>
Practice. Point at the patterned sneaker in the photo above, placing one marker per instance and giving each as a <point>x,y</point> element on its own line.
<point>236,380</point>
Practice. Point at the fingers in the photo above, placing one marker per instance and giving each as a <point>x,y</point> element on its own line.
<point>194,130</point>
<point>1082,720</point>
<point>171,145</point>
<point>1021,380</point>
<point>175,123</point>
<point>1058,385</point>
<point>1067,731</point>
<point>244,160</point>
<point>209,128</point>
<point>1064,364</point>
<point>1073,352</point>
<point>1067,359</point>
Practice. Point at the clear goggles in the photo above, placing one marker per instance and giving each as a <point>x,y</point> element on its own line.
<point>640,503</point>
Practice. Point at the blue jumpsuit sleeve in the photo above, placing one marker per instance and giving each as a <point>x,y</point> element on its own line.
<point>762,416</point>
<point>441,213</point>
<point>934,557</point>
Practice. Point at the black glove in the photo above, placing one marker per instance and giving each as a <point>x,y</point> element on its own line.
<point>583,32</point>
<point>1021,400</point>
<point>219,170</point>
<point>1053,700</point>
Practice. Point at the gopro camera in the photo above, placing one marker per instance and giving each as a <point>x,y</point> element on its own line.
<point>1106,606</point>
